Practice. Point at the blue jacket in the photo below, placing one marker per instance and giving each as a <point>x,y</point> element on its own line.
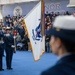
<point>9,41</point>
<point>1,44</point>
<point>65,66</point>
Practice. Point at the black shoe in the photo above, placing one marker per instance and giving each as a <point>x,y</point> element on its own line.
<point>1,69</point>
<point>9,68</point>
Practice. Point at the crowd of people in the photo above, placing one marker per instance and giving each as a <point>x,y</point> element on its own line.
<point>17,30</point>
<point>49,19</point>
<point>21,36</point>
<point>13,30</point>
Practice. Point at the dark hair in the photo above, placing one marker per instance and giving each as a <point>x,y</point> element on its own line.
<point>69,45</point>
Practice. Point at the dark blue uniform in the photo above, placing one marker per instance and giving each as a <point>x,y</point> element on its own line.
<point>65,66</point>
<point>1,49</point>
<point>9,41</point>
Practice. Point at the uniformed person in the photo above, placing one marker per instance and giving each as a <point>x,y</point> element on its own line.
<point>9,47</point>
<point>62,43</point>
<point>1,50</point>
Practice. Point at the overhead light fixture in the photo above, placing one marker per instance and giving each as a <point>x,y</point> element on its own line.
<point>71,3</point>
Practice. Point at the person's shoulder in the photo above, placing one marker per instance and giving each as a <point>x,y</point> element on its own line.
<point>55,70</point>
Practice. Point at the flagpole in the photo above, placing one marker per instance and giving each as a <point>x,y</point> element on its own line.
<point>15,44</point>
<point>42,17</point>
<point>43,25</point>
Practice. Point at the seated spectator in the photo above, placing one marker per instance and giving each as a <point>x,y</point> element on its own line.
<point>18,38</point>
<point>67,13</point>
<point>73,14</point>
<point>25,41</point>
<point>21,31</point>
<point>47,39</point>
<point>47,14</point>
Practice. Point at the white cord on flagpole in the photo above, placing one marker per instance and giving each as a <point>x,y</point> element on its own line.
<point>15,44</point>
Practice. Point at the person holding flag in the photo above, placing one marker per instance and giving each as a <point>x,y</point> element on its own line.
<point>62,43</point>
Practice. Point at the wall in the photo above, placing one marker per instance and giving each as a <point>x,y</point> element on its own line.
<point>26,7</point>
<point>57,5</point>
<point>50,5</point>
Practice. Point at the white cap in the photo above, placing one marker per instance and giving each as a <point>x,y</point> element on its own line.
<point>64,27</point>
<point>65,22</point>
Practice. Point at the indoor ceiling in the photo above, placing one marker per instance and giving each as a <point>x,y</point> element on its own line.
<point>14,1</point>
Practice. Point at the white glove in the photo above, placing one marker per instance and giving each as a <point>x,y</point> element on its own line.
<point>13,46</point>
<point>7,34</point>
<point>14,37</point>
